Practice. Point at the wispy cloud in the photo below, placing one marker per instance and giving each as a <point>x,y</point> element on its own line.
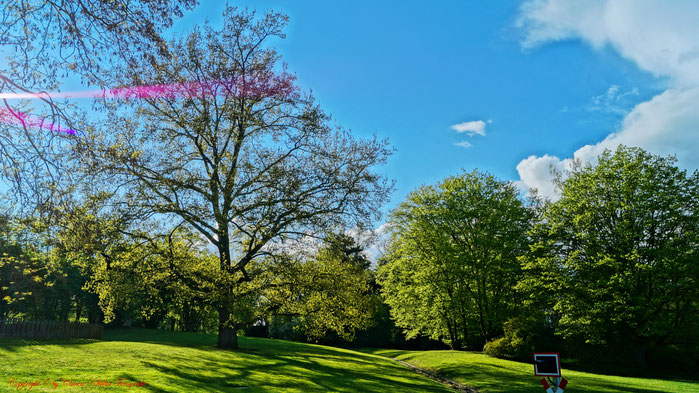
<point>614,100</point>
<point>464,144</point>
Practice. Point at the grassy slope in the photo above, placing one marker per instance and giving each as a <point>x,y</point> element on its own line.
<point>188,362</point>
<point>491,375</point>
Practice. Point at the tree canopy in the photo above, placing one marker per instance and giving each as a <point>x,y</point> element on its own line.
<point>615,257</point>
<point>452,262</point>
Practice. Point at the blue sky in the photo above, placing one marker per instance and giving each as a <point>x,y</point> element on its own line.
<point>539,74</point>
<point>531,84</point>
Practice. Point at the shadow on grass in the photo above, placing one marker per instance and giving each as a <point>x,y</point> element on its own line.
<point>155,336</point>
<point>297,370</point>
<point>132,378</point>
<point>11,344</point>
<point>259,365</point>
<point>14,344</point>
<point>498,378</point>
<point>248,345</point>
<point>194,364</point>
<point>272,365</point>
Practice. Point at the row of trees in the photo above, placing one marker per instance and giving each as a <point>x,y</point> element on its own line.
<point>324,289</point>
<point>610,267</point>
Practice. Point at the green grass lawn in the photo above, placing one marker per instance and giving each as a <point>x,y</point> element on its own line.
<point>491,375</point>
<point>189,362</point>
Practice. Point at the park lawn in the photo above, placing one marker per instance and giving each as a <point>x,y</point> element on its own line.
<point>491,375</point>
<point>189,362</point>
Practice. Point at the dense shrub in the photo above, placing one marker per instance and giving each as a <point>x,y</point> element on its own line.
<point>524,335</point>
<point>286,328</point>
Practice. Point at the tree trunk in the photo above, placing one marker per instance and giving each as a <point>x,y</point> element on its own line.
<point>452,335</point>
<point>464,328</point>
<point>640,352</point>
<point>78,310</point>
<point>227,337</point>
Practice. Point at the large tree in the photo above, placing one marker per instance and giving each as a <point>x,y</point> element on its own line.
<point>452,261</point>
<point>229,146</point>
<point>615,258</point>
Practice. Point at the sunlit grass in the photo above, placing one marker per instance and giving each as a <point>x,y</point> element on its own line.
<point>492,375</point>
<point>189,362</point>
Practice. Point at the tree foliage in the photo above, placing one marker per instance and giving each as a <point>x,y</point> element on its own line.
<point>452,261</point>
<point>615,259</point>
<point>328,290</point>
<point>36,284</point>
<point>166,281</point>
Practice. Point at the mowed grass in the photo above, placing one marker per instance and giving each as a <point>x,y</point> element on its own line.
<point>189,362</point>
<point>492,375</point>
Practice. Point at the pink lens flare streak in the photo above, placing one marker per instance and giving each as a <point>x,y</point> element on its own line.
<point>254,87</point>
<point>259,86</point>
<point>9,116</point>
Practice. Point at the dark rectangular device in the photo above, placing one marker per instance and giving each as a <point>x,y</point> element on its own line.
<point>547,364</point>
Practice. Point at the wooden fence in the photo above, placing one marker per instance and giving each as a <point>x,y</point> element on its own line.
<point>17,328</point>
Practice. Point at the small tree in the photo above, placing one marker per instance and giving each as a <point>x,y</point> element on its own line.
<point>616,256</point>
<point>452,261</point>
<point>326,290</point>
<point>157,279</point>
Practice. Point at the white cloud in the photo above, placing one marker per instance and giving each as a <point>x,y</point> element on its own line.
<point>471,127</point>
<point>535,172</point>
<point>464,144</point>
<point>376,247</point>
<point>661,37</point>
